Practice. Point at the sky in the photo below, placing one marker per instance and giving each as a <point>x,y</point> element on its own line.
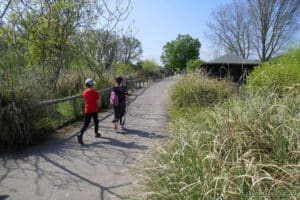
<point>156,22</point>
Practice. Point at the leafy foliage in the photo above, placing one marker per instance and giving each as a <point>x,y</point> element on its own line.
<point>50,48</point>
<point>194,64</point>
<point>278,74</point>
<point>122,69</point>
<point>48,41</point>
<point>147,68</point>
<point>178,52</point>
<point>150,65</point>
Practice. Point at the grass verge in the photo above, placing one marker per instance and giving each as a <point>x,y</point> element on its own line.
<point>245,147</point>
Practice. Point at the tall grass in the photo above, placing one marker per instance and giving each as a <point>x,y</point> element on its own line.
<point>192,90</point>
<point>18,113</point>
<point>245,148</point>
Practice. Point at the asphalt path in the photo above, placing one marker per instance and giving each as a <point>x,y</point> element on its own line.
<point>101,169</point>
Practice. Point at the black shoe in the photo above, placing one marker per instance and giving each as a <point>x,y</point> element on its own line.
<point>97,135</point>
<point>79,138</point>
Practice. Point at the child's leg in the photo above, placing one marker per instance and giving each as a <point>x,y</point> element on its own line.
<point>96,122</point>
<point>87,120</point>
<point>116,117</point>
<point>122,120</point>
<point>122,115</point>
<point>116,114</point>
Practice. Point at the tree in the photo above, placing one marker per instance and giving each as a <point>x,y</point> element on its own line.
<point>103,49</point>
<point>131,49</point>
<point>230,28</point>
<point>51,40</point>
<point>5,8</point>
<point>178,52</point>
<point>98,49</point>
<point>47,38</point>
<point>255,27</point>
<point>275,22</point>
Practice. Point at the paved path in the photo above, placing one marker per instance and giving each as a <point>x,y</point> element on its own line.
<point>102,169</point>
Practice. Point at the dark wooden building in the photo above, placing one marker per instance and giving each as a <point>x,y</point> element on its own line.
<point>231,66</point>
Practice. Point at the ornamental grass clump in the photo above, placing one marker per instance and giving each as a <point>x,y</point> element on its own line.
<point>18,112</point>
<point>245,148</point>
<point>194,89</point>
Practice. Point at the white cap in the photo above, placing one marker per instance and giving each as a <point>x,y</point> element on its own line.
<point>89,81</point>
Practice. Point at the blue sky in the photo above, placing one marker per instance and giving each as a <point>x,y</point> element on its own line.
<point>157,22</point>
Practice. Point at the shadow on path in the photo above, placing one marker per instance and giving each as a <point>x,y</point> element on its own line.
<point>117,143</point>
<point>101,187</point>
<point>59,176</point>
<point>142,134</point>
<point>4,197</point>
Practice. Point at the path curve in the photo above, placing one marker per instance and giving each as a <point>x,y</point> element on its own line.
<point>62,169</point>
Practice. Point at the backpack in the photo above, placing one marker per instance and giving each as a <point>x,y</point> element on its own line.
<point>114,98</point>
<point>117,95</point>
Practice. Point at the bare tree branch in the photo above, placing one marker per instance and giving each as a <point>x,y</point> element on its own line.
<point>230,28</point>
<point>262,26</point>
<point>5,9</point>
<point>274,22</point>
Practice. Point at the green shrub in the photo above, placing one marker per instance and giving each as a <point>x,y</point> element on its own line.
<point>194,64</point>
<point>276,75</point>
<point>122,69</point>
<point>202,91</point>
<point>150,65</point>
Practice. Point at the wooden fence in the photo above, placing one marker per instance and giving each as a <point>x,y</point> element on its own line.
<point>131,86</point>
<point>57,112</point>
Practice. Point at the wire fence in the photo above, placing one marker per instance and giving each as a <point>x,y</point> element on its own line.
<point>59,112</point>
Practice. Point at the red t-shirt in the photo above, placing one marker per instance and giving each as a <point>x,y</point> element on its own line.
<point>90,97</point>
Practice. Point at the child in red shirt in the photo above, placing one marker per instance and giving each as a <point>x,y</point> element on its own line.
<point>90,97</point>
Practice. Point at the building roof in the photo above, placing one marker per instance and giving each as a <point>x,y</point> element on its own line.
<point>231,59</point>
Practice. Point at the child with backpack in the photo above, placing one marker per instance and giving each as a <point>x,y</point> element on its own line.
<point>118,98</point>
<point>90,97</point>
